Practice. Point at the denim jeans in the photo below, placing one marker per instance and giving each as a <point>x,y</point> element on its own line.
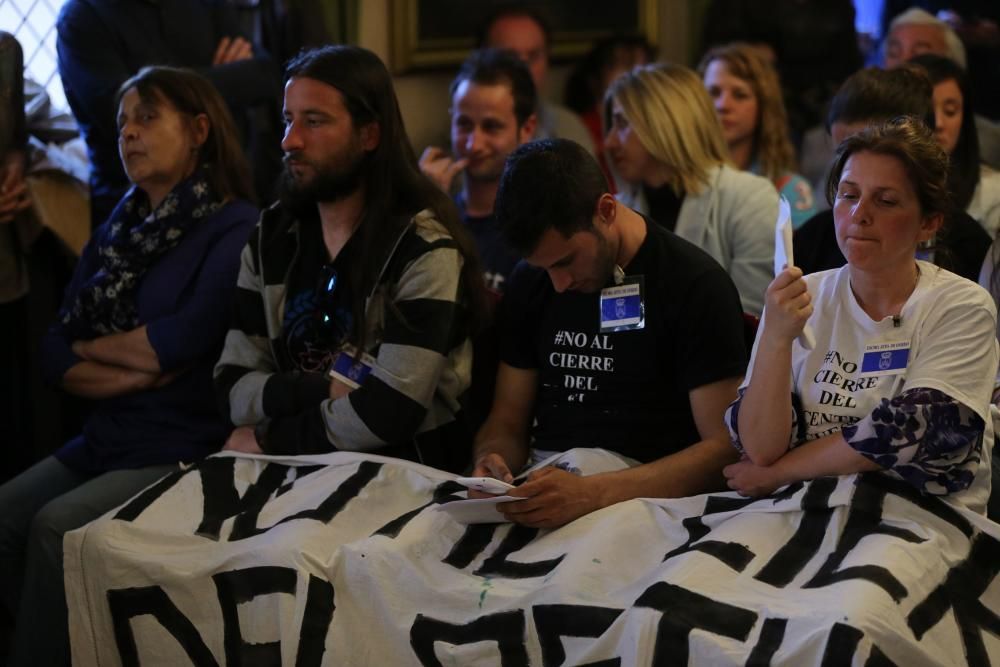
<point>36,508</point>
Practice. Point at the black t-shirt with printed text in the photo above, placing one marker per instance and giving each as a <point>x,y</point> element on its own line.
<point>307,342</point>
<point>626,391</point>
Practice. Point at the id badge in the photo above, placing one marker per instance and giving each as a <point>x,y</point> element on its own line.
<point>885,359</point>
<point>623,307</point>
<point>350,370</point>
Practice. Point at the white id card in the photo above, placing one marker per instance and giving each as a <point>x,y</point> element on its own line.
<point>622,307</point>
<point>350,370</point>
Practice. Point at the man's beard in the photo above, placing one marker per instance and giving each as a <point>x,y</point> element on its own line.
<point>331,181</point>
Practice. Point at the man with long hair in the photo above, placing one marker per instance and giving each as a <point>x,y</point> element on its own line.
<point>358,290</point>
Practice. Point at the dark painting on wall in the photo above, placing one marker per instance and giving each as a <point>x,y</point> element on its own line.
<point>440,33</point>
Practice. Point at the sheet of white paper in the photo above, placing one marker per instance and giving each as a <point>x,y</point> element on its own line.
<point>476,510</point>
<point>485,484</point>
<point>784,256</point>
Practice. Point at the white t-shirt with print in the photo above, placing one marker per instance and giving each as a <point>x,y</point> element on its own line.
<point>944,339</point>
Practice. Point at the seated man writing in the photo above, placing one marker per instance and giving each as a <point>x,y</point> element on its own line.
<point>632,342</point>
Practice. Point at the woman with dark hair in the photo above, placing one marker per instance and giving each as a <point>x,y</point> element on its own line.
<point>747,96</point>
<point>590,78</point>
<point>140,328</point>
<point>900,374</point>
<point>975,188</point>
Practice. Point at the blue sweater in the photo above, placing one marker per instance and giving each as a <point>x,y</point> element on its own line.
<point>184,300</point>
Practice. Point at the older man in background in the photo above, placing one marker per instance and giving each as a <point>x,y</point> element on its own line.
<point>526,33</point>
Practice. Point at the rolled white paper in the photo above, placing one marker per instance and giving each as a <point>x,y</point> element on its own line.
<point>784,256</point>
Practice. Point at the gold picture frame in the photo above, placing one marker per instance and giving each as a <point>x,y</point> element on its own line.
<point>433,34</point>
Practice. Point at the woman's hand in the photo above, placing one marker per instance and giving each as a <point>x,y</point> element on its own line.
<point>14,195</point>
<point>81,349</point>
<point>788,305</point>
<point>130,349</point>
<point>749,479</point>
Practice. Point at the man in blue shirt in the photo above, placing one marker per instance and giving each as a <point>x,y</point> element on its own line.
<point>492,113</point>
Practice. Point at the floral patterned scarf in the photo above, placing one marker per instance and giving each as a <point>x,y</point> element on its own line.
<point>135,239</point>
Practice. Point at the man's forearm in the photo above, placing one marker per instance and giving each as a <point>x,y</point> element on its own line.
<point>693,470</point>
<point>555,497</point>
<point>511,447</point>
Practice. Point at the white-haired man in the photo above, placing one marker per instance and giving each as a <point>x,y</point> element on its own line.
<point>916,31</point>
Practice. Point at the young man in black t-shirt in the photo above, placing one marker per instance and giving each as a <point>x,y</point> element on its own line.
<point>616,334</point>
<point>492,112</point>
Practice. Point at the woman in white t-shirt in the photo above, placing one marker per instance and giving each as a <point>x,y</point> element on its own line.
<point>899,376</point>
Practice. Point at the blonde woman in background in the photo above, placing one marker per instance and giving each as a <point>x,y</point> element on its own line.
<point>666,142</point>
<point>747,95</point>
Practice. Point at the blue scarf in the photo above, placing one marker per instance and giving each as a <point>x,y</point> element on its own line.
<point>134,240</point>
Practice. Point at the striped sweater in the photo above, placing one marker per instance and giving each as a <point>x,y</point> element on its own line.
<point>416,329</point>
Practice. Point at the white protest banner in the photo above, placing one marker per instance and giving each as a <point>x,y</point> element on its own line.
<point>342,559</point>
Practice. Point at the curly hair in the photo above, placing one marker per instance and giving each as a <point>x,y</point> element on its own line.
<point>670,111</point>
<point>909,140</point>
<point>771,146</point>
